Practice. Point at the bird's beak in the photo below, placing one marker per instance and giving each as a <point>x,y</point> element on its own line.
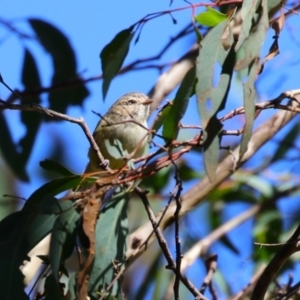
<point>149,101</point>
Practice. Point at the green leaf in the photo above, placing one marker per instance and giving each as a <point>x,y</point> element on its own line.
<point>64,66</point>
<point>54,166</point>
<point>111,239</point>
<point>161,116</point>
<point>211,100</point>
<point>13,251</point>
<point>249,104</point>
<point>211,17</point>
<point>51,188</point>
<point>179,106</point>
<point>273,3</point>
<point>37,227</point>
<point>248,11</point>
<point>63,239</point>
<point>250,49</point>
<point>113,55</point>
<point>52,206</point>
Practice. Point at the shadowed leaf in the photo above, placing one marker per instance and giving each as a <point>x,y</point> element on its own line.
<point>13,252</point>
<point>9,151</point>
<point>51,188</point>
<point>52,165</point>
<point>64,66</point>
<point>113,55</point>
<point>32,121</point>
<point>63,239</point>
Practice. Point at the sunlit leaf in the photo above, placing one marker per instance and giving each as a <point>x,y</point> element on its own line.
<point>250,49</point>
<point>211,100</point>
<point>248,11</point>
<point>249,105</point>
<point>113,55</point>
<point>211,17</point>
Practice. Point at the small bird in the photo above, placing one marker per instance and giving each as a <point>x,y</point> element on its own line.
<point>122,131</point>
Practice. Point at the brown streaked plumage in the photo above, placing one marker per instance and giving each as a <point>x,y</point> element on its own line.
<point>115,130</point>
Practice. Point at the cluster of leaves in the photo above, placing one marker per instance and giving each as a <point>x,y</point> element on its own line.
<point>64,65</point>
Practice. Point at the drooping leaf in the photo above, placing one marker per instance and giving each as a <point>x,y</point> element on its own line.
<point>63,239</point>
<point>211,100</point>
<point>249,105</point>
<point>13,251</point>
<point>113,55</point>
<point>250,49</point>
<point>31,81</point>
<point>179,106</point>
<point>64,66</point>
<point>211,17</point>
<point>30,74</point>
<point>111,235</point>
<point>52,165</point>
<point>248,11</point>
<point>52,290</point>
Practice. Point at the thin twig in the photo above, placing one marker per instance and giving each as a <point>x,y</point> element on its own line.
<point>177,232</point>
<point>51,113</point>
<point>211,267</point>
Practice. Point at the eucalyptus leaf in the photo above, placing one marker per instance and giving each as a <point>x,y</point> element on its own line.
<point>113,55</point>
<point>64,66</point>
<point>179,106</point>
<point>51,165</point>
<point>211,17</point>
<point>211,100</point>
<point>111,239</point>
<point>63,239</point>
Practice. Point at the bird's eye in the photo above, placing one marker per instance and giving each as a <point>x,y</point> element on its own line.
<point>131,102</point>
